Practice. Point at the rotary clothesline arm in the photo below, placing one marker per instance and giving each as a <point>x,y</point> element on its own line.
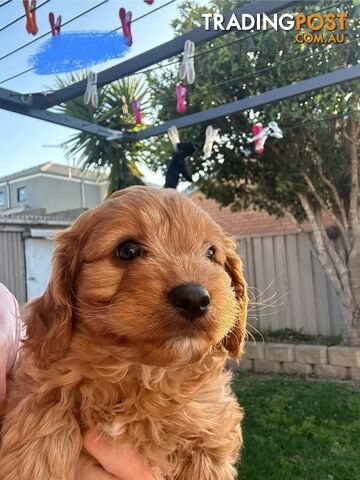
<point>8,102</point>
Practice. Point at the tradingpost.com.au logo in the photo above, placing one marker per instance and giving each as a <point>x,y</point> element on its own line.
<point>312,28</point>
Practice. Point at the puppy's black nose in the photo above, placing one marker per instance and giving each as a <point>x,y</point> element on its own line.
<point>191,299</point>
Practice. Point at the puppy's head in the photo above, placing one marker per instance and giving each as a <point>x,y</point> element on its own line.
<point>148,273</point>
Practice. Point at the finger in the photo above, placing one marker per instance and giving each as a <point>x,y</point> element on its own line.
<point>2,372</point>
<point>88,471</point>
<point>120,460</point>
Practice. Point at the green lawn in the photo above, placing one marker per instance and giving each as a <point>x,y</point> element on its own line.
<point>297,429</point>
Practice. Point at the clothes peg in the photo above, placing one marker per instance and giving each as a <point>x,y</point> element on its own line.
<point>258,138</point>
<point>275,131</point>
<point>125,18</point>
<point>178,165</point>
<point>246,152</point>
<point>30,13</point>
<point>149,2</point>
<point>187,69</point>
<point>261,134</point>
<point>210,136</point>
<point>137,110</point>
<point>181,97</point>
<point>173,135</point>
<point>124,105</point>
<point>91,93</point>
<point>55,26</point>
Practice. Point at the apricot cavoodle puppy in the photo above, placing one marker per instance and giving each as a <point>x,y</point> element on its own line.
<point>145,302</point>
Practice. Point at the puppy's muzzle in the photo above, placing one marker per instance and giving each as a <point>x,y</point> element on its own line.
<point>190,299</point>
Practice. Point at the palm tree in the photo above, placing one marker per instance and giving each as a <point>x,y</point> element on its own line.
<point>114,111</point>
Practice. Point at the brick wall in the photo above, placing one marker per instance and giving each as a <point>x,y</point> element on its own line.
<point>340,363</point>
<point>249,222</point>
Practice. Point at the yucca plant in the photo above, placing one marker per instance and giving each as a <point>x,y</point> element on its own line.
<point>119,161</point>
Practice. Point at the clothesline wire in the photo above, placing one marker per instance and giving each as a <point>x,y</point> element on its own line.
<point>140,72</point>
<point>65,23</point>
<point>5,3</point>
<point>262,70</point>
<point>319,120</point>
<point>22,16</point>
<point>176,61</point>
<point>227,44</point>
<point>299,124</point>
<point>146,14</point>
<point>49,32</point>
<point>278,65</point>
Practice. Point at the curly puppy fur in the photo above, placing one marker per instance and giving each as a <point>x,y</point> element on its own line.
<point>106,349</point>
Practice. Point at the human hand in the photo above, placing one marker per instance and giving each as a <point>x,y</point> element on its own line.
<point>3,362</point>
<point>118,462</point>
<point>9,335</point>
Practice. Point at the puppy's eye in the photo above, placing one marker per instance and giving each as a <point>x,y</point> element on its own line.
<point>129,250</point>
<point>210,252</point>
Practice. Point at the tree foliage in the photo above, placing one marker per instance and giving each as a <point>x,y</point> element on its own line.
<point>114,111</point>
<point>312,174</point>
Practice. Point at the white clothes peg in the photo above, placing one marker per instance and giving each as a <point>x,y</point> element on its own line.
<point>210,137</point>
<point>91,93</point>
<point>173,135</point>
<point>187,68</point>
<point>261,134</point>
<point>275,131</point>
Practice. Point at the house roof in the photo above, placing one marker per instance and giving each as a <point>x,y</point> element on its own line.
<point>40,217</point>
<point>34,220</point>
<point>55,169</point>
<point>241,224</point>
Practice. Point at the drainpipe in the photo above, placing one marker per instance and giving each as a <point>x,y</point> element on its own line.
<point>83,202</point>
<point>8,194</point>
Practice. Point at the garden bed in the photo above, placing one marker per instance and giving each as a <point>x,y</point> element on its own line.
<point>288,335</point>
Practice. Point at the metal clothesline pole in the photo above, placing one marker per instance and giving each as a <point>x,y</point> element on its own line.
<point>265,98</point>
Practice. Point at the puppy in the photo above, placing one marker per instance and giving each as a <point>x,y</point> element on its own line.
<point>145,302</point>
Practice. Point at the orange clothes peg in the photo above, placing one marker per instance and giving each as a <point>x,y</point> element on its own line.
<point>30,9</point>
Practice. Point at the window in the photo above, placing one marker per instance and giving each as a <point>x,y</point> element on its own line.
<point>21,194</point>
<point>2,199</point>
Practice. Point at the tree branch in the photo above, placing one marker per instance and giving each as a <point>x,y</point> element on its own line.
<point>323,205</point>
<point>338,202</point>
<point>351,149</point>
<point>354,256</point>
<point>328,257</point>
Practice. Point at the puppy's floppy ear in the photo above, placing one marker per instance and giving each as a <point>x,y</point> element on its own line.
<point>49,318</point>
<point>234,341</point>
<point>116,194</point>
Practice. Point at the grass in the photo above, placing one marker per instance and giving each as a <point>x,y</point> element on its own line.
<point>298,430</point>
<point>289,335</point>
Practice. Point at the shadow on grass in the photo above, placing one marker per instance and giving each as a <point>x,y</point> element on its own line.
<point>297,429</point>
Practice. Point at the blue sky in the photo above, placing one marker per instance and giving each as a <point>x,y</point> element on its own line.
<point>22,138</point>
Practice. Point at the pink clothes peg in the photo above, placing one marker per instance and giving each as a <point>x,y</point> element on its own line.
<point>259,140</point>
<point>262,133</point>
<point>55,26</point>
<point>180,95</point>
<point>149,2</point>
<point>125,18</point>
<point>136,105</point>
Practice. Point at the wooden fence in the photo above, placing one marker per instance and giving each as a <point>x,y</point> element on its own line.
<point>287,284</point>
<point>288,287</point>
<point>12,261</point>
